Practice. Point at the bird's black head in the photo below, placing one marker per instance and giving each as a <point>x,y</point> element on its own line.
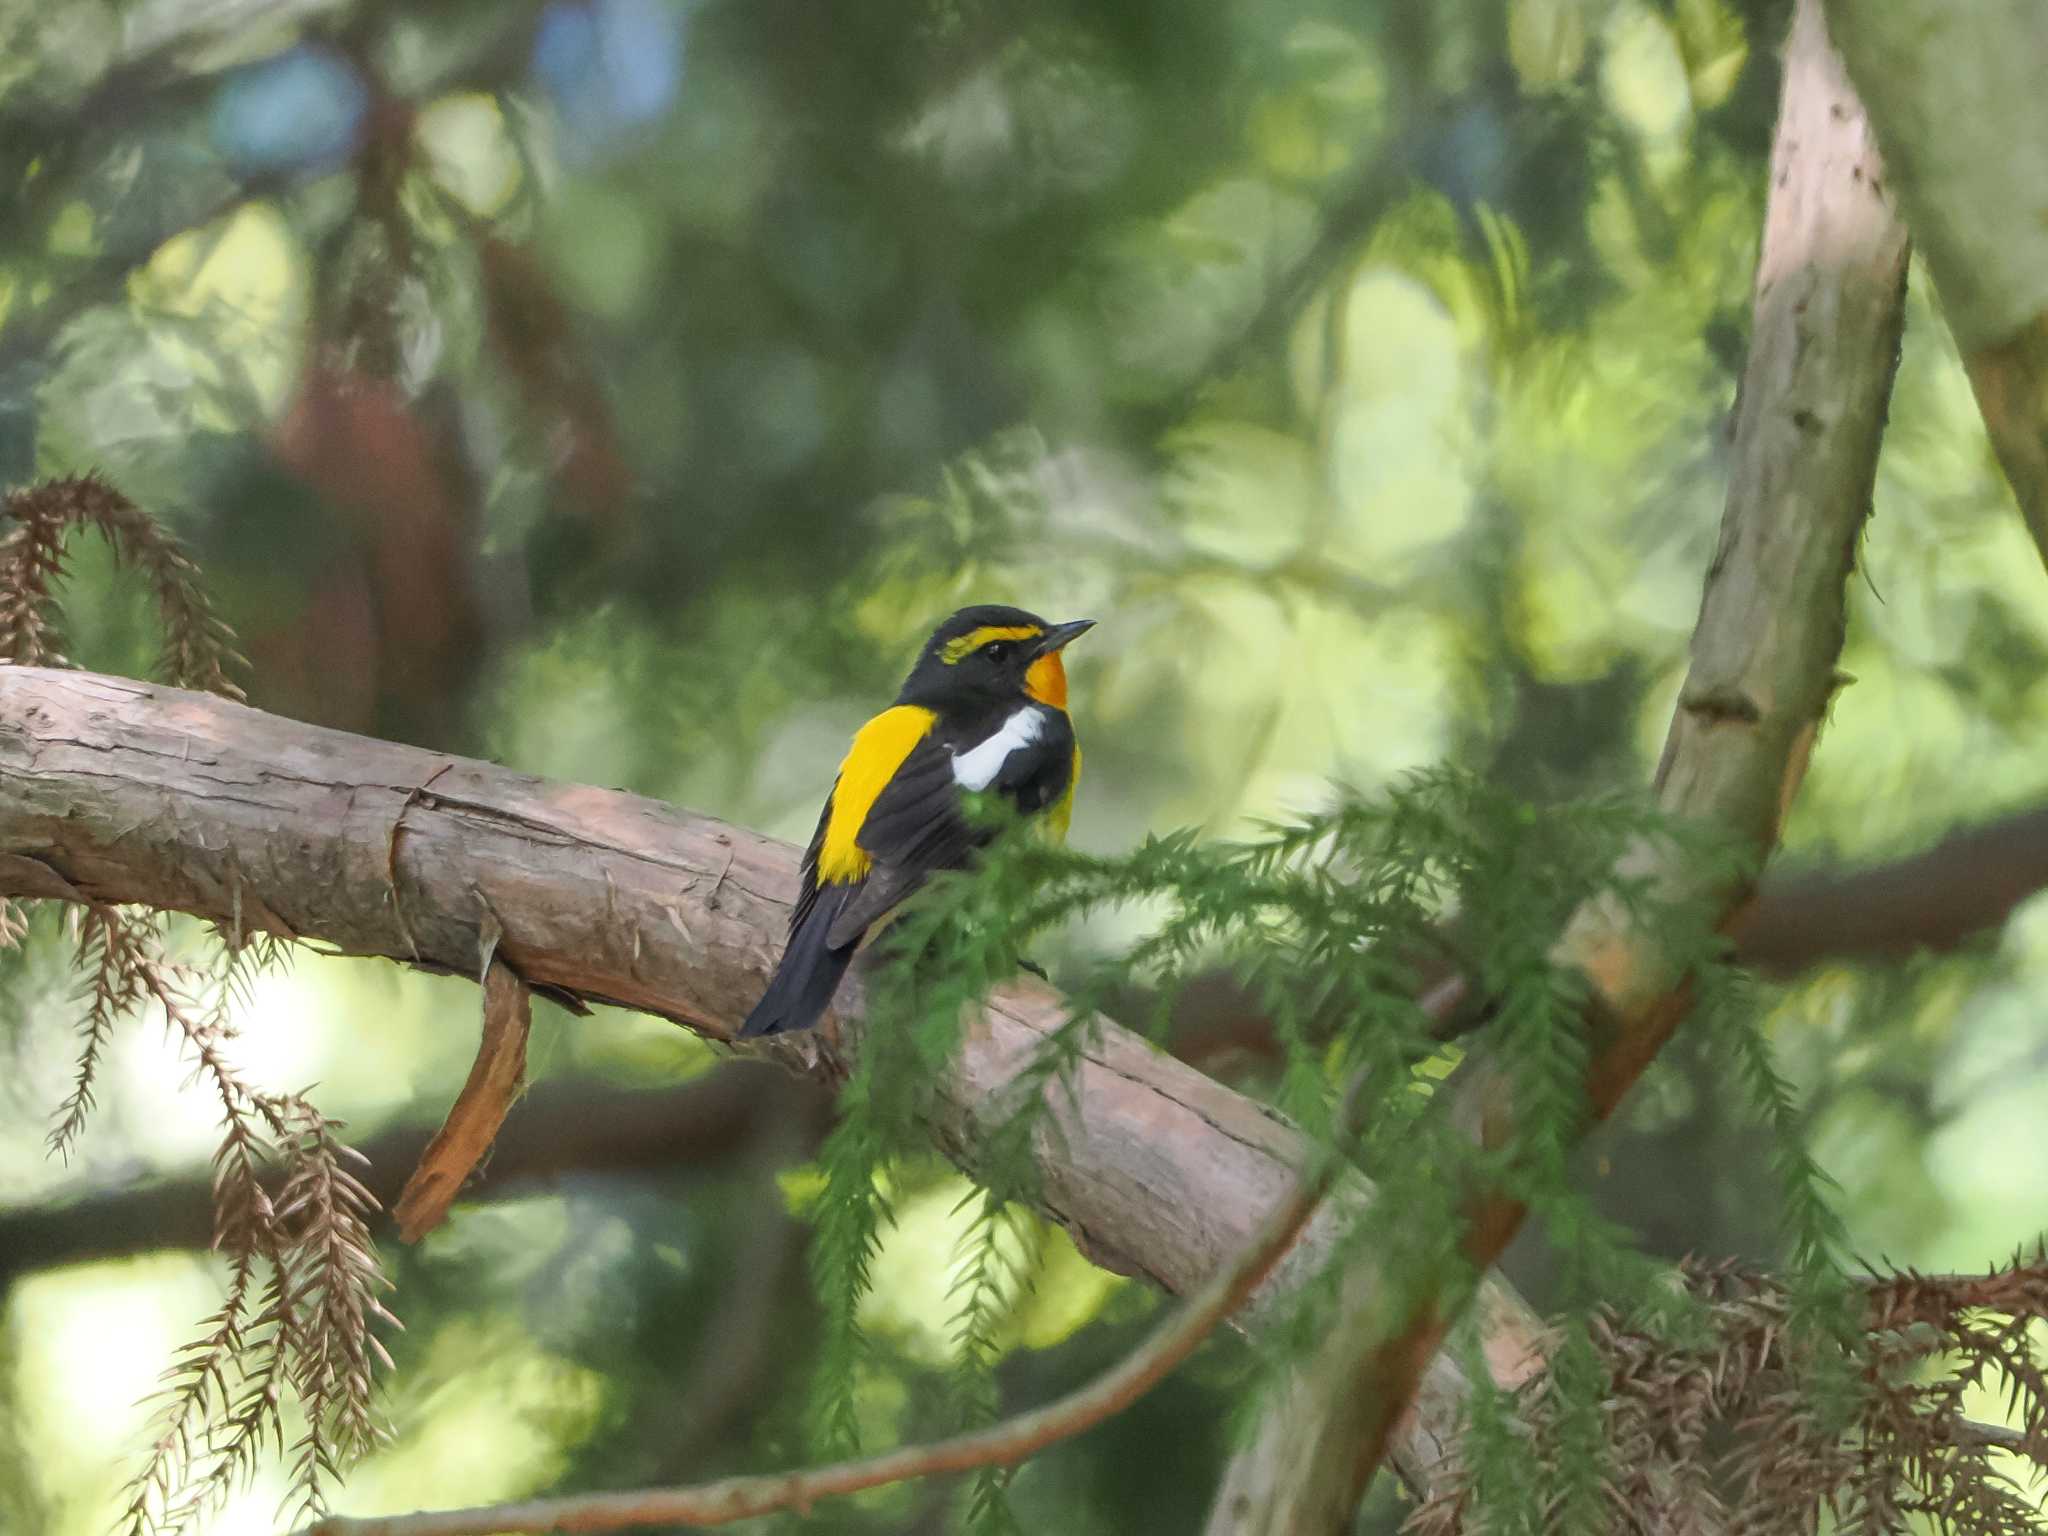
<point>989,655</point>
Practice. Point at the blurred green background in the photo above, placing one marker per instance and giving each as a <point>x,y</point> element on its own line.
<point>619,389</point>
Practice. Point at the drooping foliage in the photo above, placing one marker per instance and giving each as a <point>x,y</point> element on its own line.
<point>295,1323</point>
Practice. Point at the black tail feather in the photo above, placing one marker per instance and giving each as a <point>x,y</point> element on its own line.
<point>802,987</point>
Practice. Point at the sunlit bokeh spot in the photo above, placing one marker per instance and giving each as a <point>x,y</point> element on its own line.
<point>473,156</point>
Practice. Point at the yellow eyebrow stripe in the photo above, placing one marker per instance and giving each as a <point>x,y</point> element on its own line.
<point>878,750</point>
<point>975,639</point>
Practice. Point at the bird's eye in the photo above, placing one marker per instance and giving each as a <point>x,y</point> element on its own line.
<point>997,651</point>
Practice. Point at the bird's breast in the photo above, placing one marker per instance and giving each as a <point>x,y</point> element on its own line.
<point>975,767</point>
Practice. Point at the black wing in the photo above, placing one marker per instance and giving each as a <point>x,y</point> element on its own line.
<point>919,823</point>
<point>807,893</point>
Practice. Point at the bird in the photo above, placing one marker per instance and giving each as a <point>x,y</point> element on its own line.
<point>983,709</point>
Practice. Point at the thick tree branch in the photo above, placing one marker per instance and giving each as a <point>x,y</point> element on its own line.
<point>1964,886</point>
<point>1830,284</point>
<point>140,793</point>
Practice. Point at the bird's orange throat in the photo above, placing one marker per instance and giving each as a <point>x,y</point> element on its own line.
<point>1046,681</point>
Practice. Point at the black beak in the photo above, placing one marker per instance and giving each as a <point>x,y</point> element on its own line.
<point>1058,637</point>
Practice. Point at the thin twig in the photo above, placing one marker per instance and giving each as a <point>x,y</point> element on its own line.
<point>1001,1445</point>
<point>496,1079</point>
<point>2002,1436</point>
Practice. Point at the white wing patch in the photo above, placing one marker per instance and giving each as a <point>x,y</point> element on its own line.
<point>977,767</point>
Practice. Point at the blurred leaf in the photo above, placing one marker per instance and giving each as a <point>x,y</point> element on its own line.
<point>1547,41</point>
<point>1715,43</point>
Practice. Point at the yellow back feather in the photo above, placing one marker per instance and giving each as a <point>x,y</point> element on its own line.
<point>878,750</point>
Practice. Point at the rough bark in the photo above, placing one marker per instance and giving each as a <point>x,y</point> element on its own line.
<point>1958,890</point>
<point>133,792</point>
<point>1955,94</point>
<point>1829,287</point>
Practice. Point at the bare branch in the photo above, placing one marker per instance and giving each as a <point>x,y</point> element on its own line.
<point>1001,1445</point>
<point>1965,885</point>
<point>495,1081</point>
<point>2003,1436</point>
